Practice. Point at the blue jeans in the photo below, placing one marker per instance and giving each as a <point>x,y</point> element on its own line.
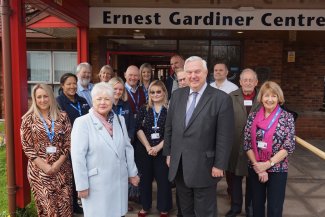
<point>273,191</point>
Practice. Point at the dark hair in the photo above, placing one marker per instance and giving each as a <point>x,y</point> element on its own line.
<point>221,61</point>
<point>65,76</point>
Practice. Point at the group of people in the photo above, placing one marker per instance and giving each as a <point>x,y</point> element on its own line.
<point>95,140</point>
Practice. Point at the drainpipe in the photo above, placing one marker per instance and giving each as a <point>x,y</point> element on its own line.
<point>6,66</point>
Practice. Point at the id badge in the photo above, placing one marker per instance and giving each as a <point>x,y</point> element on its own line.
<point>261,144</point>
<point>155,136</point>
<point>248,102</point>
<point>50,150</point>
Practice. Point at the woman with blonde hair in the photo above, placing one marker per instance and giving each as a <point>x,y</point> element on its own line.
<point>121,105</point>
<point>268,140</point>
<point>150,127</point>
<point>145,78</point>
<point>106,73</point>
<point>45,135</point>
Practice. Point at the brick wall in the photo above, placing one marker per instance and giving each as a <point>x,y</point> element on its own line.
<point>302,82</point>
<point>311,125</point>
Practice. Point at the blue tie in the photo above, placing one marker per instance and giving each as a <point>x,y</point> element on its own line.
<point>191,108</point>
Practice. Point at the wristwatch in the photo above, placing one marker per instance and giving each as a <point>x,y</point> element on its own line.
<point>271,163</point>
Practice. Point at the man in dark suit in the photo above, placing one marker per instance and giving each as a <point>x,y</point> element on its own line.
<point>198,140</point>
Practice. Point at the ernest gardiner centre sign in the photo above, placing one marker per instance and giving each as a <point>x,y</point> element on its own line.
<point>207,18</point>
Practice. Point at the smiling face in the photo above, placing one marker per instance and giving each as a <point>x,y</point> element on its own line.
<point>69,87</point>
<point>42,100</point>
<point>196,74</point>
<point>84,76</point>
<point>248,82</point>
<point>118,91</point>
<point>270,100</point>
<point>146,74</point>
<point>132,76</point>
<point>105,75</point>
<point>157,94</point>
<point>102,104</point>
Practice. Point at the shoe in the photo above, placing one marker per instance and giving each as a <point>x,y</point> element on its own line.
<point>232,213</point>
<point>142,214</point>
<point>164,215</point>
<point>78,210</point>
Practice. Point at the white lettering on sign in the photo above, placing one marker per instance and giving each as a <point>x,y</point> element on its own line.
<point>232,19</point>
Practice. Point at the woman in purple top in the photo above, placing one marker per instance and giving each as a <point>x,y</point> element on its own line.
<point>269,139</point>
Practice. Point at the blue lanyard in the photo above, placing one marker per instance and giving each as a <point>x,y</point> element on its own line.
<point>145,90</point>
<point>50,135</point>
<point>156,117</point>
<point>272,121</point>
<point>78,109</point>
<point>136,103</point>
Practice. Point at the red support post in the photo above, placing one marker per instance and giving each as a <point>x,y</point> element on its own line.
<point>82,44</point>
<point>20,95</point>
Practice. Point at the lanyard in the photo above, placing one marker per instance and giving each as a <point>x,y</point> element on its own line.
<point>272,121</point>
<point>136,103</point>
<point>50,135</point>
<point>156,117</point>
<point>77,108</point>
<point>145,90</point>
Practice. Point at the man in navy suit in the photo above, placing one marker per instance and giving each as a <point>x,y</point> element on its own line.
<point>197,144</point>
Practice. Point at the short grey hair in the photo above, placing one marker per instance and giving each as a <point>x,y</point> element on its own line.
<point>248,70</point>
<point>83,65</point>
<point>103,87</point>
<point>196,58</point>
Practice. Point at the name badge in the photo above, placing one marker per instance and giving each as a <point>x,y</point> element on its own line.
<point>50,150</point>
<point>261,144</point>
<point>248,102</point>
<point>155,136</point>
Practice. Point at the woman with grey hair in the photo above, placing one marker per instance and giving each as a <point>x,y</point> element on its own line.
<point>102,157</point>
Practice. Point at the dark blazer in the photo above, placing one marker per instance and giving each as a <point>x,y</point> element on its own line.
<point>123,108</point>
<point>206,140</point>
<point>169,84</point>
<point>238,159</point>
<point>65,105</point>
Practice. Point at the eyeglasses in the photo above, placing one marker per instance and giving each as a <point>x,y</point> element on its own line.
<point>157,92</point>
<point>181,79</point>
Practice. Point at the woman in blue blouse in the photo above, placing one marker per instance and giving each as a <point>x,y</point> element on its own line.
<point>75,106</point>
<point>150,127</point>
<point>269,139</point>
<point>121,105</point>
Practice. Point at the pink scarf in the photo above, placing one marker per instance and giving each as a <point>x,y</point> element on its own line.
<point>108,126</point>
<point>263,155</point>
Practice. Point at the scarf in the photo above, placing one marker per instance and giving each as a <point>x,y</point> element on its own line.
<point>264,154</point>
<point>108,126</point>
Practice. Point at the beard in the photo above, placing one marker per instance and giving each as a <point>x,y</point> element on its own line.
<point>84,82</point>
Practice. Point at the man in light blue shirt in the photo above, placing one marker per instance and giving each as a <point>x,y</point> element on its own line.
<point>84,86</point>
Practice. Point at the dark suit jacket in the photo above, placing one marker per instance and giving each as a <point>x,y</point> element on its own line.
<point>238,159</point>
<point>205,142</point>
<point>169,84</point>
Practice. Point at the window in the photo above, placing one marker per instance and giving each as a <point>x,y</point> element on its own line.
<point>48,67</point>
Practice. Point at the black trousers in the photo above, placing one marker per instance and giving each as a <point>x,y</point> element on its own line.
<point>273,191</point>
<point>153,168</point>
<point>196,202</point>
<point>237,193</point>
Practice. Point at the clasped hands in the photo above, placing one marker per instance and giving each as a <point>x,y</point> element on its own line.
<point>153,151</point>
<point>51,169</point>
<point>260,168</point>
